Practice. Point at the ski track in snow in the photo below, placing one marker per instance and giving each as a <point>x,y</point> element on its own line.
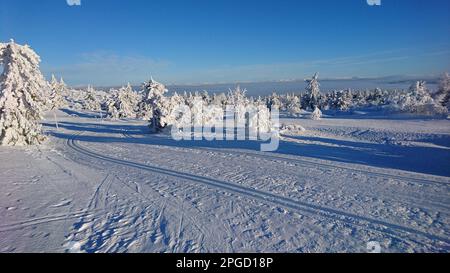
<point>153,197</point>
<point>361,221</point>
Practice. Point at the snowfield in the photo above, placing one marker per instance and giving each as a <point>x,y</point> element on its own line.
<point>110,186</point>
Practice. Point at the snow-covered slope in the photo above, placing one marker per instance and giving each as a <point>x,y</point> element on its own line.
<point>109,186</point>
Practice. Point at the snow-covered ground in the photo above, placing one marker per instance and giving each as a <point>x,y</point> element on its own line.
<point>109,186</point>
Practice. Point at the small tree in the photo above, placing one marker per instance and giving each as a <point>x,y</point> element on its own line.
<point>56,95</point>
<point>274,102</point>
<point>316,114</point>
<point>294,107</point>
<point>22,95</point>
<point>91,102</point>
<point>442,96</point>
<point>341,100</point>
<point>154,96</point>
<point>123,103</point>
<point>313,96</point>
<point>418,100</point>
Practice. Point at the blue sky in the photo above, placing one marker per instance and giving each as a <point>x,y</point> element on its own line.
<point>111,42</point>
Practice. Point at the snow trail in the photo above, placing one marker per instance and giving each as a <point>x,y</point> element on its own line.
<point>361,221</point>
<point>114,189</point>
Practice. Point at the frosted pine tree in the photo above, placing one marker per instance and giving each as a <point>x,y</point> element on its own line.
<point>294,107</point>
<point>180,117</point>
<point>316,114</point>
<point>341,100</point>
<point>112,104</point>
<point>264,119</point>
<point>418,100</point>
<point>219,100</point>
<point>197,105</point>
<point>63,87</point>
<point>56,94</point>
<point>313,96</point>
<point>159,104</point>
<point>91,102</point>
<point>123,103</point>
<point>442,96</point>
<point>238,99</point>
<point>274,102</point>
<point>23,89</point>
<point>144,110</point>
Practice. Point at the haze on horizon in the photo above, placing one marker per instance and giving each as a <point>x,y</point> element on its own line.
<point>181,42</point>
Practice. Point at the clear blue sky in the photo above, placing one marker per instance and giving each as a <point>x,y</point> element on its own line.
<point>111,42</point>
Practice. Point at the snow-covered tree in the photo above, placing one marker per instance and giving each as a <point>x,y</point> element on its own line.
<point>316,114</point>
<point>91,102</point>
<point>123,103</point>
<point>293,105</point>
<point>57,89</point>
<point>418,100</point>
<point>442,96</point>
<point>274,102</point>
<point>159,104</point>
<point>197,105</point>
<point>144,109</point>
<point>359,98</point>
<point>237,96</point>
<point>378,97</point>
<point>23,89</point>
<point>219,100</point>
<point>313,96</point>
<point>180,116</point>
<point>239,100</point>
<point>340,100</point>
<point>264,117</point>
<point>63,86</point>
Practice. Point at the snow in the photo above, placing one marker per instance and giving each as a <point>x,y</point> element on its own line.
<point>334,185</point>
<point>365,172</point>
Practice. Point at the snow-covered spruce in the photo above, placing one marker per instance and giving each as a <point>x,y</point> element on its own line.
<point>312,97</point>
<point>158,103</point>
<point>23,89</point>
<point>264,124</point>
<point>419,101</point>
<point>293,105</point>
<point>274,102</point>
<point>237,98</point>
<point>340,100</point>
<point>91,102</point>
<point>57,89</point>
<point>317,114</point>
<point>442,96</point>
<point>123,103</point>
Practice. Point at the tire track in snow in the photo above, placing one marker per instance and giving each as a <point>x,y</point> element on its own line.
<point>312,209</point>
